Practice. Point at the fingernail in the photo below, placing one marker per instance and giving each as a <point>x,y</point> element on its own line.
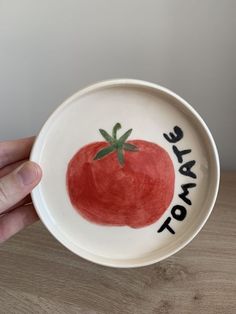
<point>28,173</point>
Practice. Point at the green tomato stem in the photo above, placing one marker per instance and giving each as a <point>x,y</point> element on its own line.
<point>116,145</point>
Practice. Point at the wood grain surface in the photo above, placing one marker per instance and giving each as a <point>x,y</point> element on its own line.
<point>38,275</point>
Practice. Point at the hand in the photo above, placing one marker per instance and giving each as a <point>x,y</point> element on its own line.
<point>17,179</point>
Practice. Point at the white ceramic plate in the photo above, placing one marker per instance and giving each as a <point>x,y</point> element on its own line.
<point>151,111</point>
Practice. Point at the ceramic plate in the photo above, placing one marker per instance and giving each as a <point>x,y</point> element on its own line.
<point>130,173</point>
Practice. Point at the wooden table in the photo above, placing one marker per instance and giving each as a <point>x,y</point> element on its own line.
<point>38,275</point>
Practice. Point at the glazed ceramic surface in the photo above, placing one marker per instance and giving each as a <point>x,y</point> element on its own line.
<point>130,205</point>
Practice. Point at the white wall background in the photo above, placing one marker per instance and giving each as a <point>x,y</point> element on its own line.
<point>51,48</point>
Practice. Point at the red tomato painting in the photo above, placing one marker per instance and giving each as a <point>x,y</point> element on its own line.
<point>121,183</point>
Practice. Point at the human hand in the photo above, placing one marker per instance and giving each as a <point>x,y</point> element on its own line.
<point>18,177</point>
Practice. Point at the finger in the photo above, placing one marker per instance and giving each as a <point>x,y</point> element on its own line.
<point>12,151</point>
<point>16,185</point>
<point>16,220</point>
<point>25,201</point>
<point>5,171</point>
<point>9,168</point>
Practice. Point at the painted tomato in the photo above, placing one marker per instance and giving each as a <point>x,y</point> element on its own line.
<point>121,183</point>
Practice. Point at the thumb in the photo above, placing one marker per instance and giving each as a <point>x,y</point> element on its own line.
<point>16,185</point>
